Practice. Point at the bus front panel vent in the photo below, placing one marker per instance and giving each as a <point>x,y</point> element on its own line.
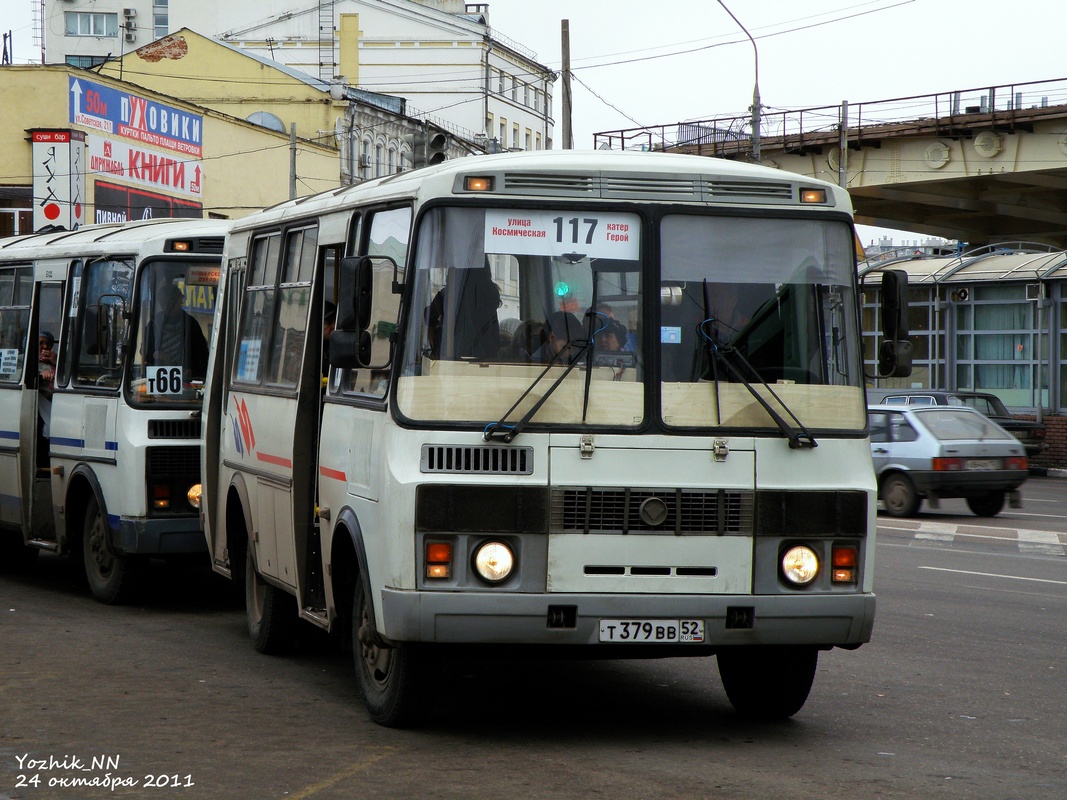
<point>476,459</point>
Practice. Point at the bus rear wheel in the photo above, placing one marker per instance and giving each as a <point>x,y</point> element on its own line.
<point>391,679</point>
<point>768,682</point>
<point>112,579</point>
<point>271,612</point>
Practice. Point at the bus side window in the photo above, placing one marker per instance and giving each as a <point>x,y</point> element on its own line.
<point>389,234</point>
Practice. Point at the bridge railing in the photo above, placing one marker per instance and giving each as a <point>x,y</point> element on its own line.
<point>1003,107</point>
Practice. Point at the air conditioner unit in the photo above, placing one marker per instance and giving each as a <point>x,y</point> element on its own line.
<point>129,13</point>
<point>1035,291</point>
<point>364,160</point>
<point>131,36</point>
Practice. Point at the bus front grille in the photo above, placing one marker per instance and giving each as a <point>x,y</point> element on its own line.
<point>672,511</point>
<point>163,462</point>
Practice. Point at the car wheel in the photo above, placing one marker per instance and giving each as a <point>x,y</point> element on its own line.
<point>899,495</point>
<point>270,612</point>
<point>988,505</point>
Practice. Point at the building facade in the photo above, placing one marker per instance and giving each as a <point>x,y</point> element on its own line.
<point>992,320</point>
<point>90,148</point>
<point>441,56</point>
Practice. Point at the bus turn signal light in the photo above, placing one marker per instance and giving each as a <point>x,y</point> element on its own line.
<point>438,560</point>
<point>843,558</point>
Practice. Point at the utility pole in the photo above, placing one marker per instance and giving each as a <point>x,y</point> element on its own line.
<point>756,105</point>
<point>568,136</point>
<point>292,160</point>
<point>842,162</point>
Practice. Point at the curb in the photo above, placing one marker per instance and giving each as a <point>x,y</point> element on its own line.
<point>1048,472</point>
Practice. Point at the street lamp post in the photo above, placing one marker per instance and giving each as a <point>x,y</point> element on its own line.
<point>755,90</point>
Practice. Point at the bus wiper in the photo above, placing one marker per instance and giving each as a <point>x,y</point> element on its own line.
<point>799,436</point>
<point>507,432</point>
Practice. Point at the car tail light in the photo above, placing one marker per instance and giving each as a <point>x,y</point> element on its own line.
<point>1016,462</point>
<point>947,464</point>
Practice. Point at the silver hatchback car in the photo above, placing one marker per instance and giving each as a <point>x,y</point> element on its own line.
<point>930,452</point>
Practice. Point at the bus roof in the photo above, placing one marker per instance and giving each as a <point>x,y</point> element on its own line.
<point>107,237</point>
<point>571,175</point>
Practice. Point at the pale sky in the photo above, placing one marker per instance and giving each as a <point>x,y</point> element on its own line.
<point>665,61</point>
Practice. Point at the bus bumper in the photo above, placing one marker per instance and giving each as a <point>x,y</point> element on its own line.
<point>838,620</point>
<point>157,537</point>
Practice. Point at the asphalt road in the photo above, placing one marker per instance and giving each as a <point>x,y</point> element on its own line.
<point>961,694</point>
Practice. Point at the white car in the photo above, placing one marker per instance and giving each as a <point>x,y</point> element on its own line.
<point>930,452</point>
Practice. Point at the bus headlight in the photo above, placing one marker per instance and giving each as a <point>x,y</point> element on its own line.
<point>800,565</point>
<point>193,495</point>
<point>494,561</point>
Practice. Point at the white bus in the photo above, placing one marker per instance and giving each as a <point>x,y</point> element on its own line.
<point>599,403</point>
<point>103,351</point>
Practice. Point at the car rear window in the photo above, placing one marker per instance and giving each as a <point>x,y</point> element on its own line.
<point>949,425</point>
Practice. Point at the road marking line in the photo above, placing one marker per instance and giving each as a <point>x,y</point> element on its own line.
<point>337,777</point>
<point>994,575</point>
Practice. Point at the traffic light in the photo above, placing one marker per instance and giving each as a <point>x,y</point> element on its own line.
<point>437,147</point>
<point>416,142</point>
<point>427,148</point>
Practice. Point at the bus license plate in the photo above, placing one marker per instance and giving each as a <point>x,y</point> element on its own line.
<point>982,463</point>
<point>651,631</point>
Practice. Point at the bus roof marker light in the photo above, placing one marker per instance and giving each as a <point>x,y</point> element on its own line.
<point>813,196</point>
<point>478,183</point>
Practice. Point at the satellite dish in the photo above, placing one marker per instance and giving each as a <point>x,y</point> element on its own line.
<point>267,120</point>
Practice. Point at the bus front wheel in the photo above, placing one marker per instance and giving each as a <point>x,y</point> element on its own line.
<point>390,678</point>
<point>768,682</point>
<point>112,578</point>
<point>271,612</point>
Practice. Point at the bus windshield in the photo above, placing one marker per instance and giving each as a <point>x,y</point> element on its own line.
<point>544,314</point>
<point>175,305</point>
<point>508,303</point>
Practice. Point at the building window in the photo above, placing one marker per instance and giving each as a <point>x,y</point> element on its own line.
<point>515,88</point>
<point>79,23</point>
<point>500,82</point>
<point>996,336</point>
<point>379,162</point>
<point>85,62</point>
<point>528,139</point>
<point>160,18</point>
<point>503,134</point>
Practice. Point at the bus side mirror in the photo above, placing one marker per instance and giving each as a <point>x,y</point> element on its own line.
<point>350,349</point>
<point>894,354</point>
<point>355,294</point>
<point>895,304</point>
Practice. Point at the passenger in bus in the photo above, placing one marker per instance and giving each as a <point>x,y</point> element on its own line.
<point>564,339</point>
<point>461,320</point>
<point>46,359</point>
<point>46,369</point>
<point>528,338</point>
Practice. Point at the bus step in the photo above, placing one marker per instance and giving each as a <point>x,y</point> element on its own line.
<point>44,544</point>
<point>316,616</point>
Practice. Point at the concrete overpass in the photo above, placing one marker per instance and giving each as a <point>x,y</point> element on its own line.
<point>981,165</point>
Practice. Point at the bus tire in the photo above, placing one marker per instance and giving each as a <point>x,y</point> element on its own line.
<point>390,679</point>
<point>112,579</point>
<point>768,682</point>
<point>271,612</point>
